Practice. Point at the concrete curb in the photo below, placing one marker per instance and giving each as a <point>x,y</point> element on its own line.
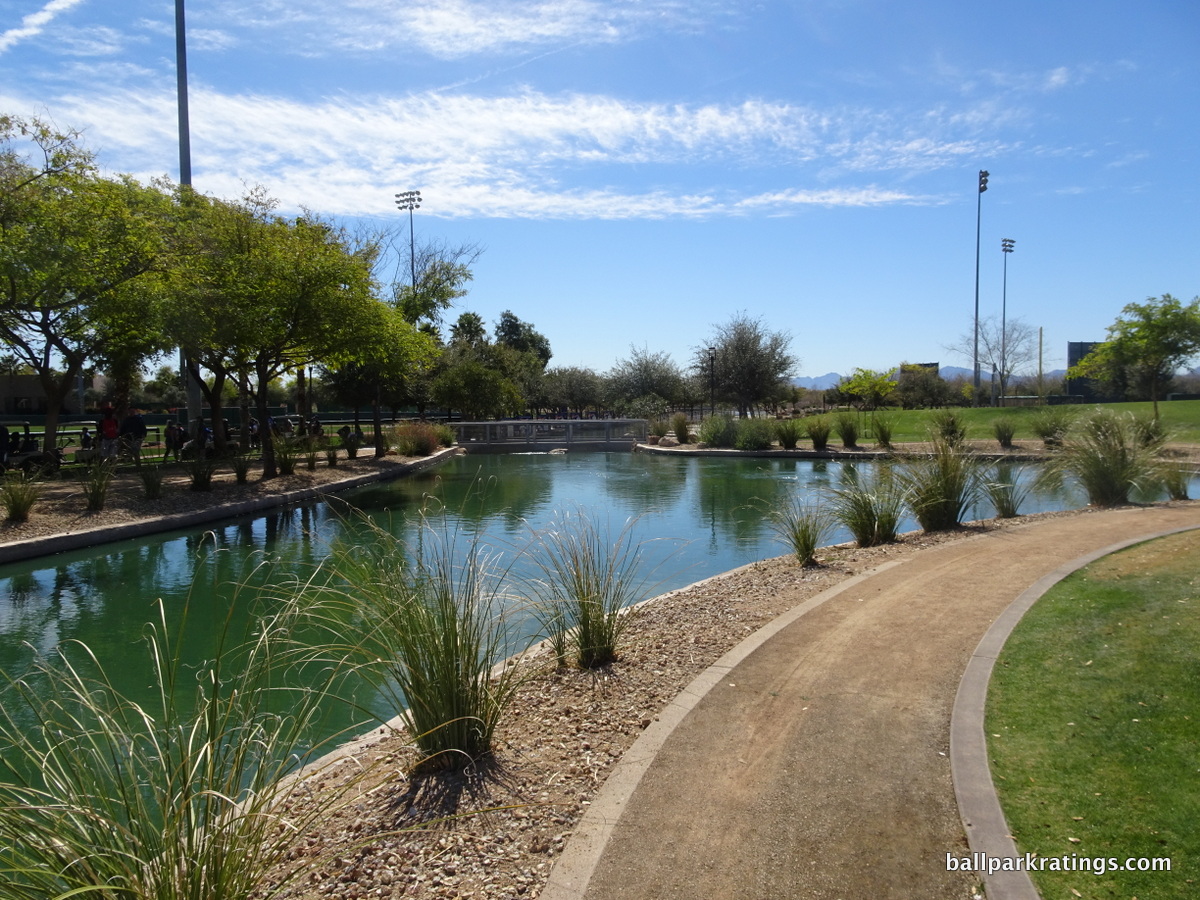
<point>90,537</point>
<point>983,820</point>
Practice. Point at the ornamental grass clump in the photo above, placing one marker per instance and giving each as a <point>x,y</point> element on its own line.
<point>1004,428</point>
<point>883,426</point>
<point>941,487</point>
<point>788,432</point>
<point>1006,489</point>
<point>818,429</point>
<point>176,798</point>
<point>95,481</point>
<point>802,525</point>
<point>947,426</point>
<point>201,469</point>
<point>870,509</point>
<point>19,492</point>
<point>1051,424</point>
<point>285,451</point>
<point>423,626</point>
<point>152,481</point>
<point>589,579</point>
<point>414,438</point>
<point>681,427</point>
<point>1108,456</point>
<point>846,426</point>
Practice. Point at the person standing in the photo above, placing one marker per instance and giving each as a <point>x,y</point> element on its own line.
<point>109,431</point>
<point>133,435</point>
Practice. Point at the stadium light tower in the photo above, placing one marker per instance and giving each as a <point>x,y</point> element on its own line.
<point>1006,245</point>
<point>410,200</point>
<point>983,180</point>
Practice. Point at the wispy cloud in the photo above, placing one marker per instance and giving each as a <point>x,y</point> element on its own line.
<point>34,23</point>
<point>531,154</point>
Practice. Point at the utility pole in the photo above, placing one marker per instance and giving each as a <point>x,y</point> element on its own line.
<point>983,180</point>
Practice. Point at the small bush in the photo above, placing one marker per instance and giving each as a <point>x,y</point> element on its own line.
<point>414,438</point>
<point>95,481</point>
<point>802,525</point>
<point>352,442</point>
<point>331,457</point>
<point>445,435</point>
<point>19,492</point>
<point>846,426</point>
<point>818,428</point>
<point>754,434</point>
<point>788,432</point>
<point>947,426</point>
<point>883,426</point>
<point>1149,430</point>
<point>312,449</point>
<point>1107,456</point>
<point>285,455</point>
<point>660,428</point>
<point>1051,424</point>
<point>681,427</point>
<point>1004,428</point>
<point>1174,481</point>
<point>152,481</point>
<point>870,510</point>
<point>241,468</point>
<point>718,431</point>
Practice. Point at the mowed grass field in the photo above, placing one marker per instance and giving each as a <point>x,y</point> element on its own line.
<point>1181,418</point>
<point>1093,724</point>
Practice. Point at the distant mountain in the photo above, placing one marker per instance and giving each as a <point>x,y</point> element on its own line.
<point>820,383</point>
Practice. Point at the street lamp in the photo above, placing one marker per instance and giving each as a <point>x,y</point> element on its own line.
<point>1006,245</point>
<point>410,200</point>
<point>983,180</point>
<point>712,382</point>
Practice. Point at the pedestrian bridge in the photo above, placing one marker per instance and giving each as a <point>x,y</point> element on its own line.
<point>546,435</point>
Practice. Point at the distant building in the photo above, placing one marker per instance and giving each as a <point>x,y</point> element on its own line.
<point>22,395</point>
<point>1087,388</point>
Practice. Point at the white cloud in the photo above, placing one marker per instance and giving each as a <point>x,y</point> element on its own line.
<point>531,154</point>
<point>34,23</point>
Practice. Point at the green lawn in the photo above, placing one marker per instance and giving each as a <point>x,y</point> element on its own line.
<point>1182,418</point>
<point>1093,723</point>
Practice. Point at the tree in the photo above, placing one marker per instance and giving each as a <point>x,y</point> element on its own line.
<point>1003,351</point>
<point>573,388</point>
<point>469,331</point>
<point>921,387</point>
<point>80,260</point>
<point>1146,345</point>
<point>870,388</point>
<point>522,337</point>
<point>749,361</point>
<point>442,273</point>
<point>644,381</point>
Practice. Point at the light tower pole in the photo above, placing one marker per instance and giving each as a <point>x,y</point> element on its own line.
<point>983,179</point>
<point>1006,245</point>
<point>410,200</point>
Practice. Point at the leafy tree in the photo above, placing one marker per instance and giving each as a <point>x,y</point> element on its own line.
<point>442,273</point>
<point>644,380</point>
<point>522,337</point>
<point>80,259</point>
<point>921,387</point>
<point>749,361</point>
<point>573,388</point>
<point>469,331</point>
<point>1146,345</point>
<point>870,388</point>
<point>480,391</point>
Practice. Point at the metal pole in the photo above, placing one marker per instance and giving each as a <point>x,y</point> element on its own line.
<point>181,89</point>
<point>1006,245</point>
<point>411,200</point>
<point>983,178</point>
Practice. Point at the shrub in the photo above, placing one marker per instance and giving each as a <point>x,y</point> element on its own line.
<point>1004,428</point>
<point>95,481</point>
<point>19,492</point>
<point>589,579</point>
<point>201,469</point>
<point>846,426</point>
<point>754,434</point>
<point>285,454</point>
<point>681,427</point>
<point>312,449</point>
<point>1149,430</point>
<point>414,438</point>
<point>424,631</point>
<point>181,797</point>
<point>331,457</point>
<point>1051,424</point>
<point>1174,481</point>
<point>718,431</point>
<point>883,426</point>
<point>870,510</point>
<point>352,442</point>
<point>152,481</point>
<point>788,432</point>
<point>660,428</point>
<point>241,468</point>
<point>802,525</point>
<point>947,426</point>
<point>941,487</point>
<point>818,428</point>
<point>1107,455</point>
<point>445,434</point>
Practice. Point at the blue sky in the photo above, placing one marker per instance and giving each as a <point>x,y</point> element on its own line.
<point>640,170</point>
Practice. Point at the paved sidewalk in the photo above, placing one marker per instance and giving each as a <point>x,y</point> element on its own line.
<point>813,760</point>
